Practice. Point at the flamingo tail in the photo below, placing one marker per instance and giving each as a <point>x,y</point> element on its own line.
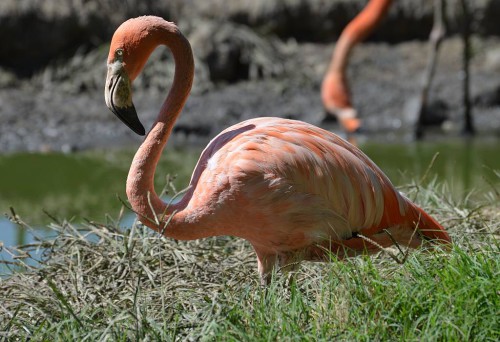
<point>429,227</point>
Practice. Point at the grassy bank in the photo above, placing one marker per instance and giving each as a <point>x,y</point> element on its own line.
<point>101,282</point>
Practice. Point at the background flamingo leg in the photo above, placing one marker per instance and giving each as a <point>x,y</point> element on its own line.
<point>436,36</point>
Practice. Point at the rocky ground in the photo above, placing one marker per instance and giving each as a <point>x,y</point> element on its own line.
<point>264,59</point>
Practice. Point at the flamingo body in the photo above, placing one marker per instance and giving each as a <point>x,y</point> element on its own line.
<point>294,191</point>
<point>291,181</point>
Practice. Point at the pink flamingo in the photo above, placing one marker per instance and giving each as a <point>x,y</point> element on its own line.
<point>294,191</point>
<point>335,92</point>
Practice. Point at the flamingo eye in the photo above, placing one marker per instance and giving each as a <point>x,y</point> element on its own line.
<point>119,53</point>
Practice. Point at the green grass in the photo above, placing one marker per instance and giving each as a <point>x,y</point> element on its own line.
<point>99,282</point>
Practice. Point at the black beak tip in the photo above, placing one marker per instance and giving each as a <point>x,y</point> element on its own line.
<point>139,130</point>
<point>129,117</point>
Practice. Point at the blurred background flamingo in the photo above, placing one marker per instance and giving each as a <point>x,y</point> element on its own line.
<point>335,90</point>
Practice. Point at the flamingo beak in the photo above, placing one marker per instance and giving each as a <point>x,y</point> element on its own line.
<point>118,95</point>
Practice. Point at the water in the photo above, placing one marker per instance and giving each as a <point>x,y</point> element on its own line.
<point>89,185</point>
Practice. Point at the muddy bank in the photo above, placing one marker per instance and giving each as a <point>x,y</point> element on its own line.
<point>385,78</point>
<point>246,69</point>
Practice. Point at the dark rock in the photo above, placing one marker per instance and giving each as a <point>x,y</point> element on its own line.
<point>234,52</point>
<point>39,32</point>
<point>435,113</point>
<point>488,98</point>
<point>489,18</point>
<point>198,130</point>
<point>323,21</point>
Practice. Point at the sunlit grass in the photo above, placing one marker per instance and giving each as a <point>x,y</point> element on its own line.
<point>100,282</point>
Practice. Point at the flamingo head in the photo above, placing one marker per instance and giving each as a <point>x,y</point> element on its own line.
<point>130,48</point>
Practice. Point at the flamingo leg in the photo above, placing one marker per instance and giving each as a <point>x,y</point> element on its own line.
<point>290,262</point>
<point>266,262</point>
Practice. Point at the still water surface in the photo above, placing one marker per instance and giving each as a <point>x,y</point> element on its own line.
<point>89,185</point>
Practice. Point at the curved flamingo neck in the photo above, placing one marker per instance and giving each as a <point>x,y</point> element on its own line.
<point>142,196</point>
<point>357,30</point>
